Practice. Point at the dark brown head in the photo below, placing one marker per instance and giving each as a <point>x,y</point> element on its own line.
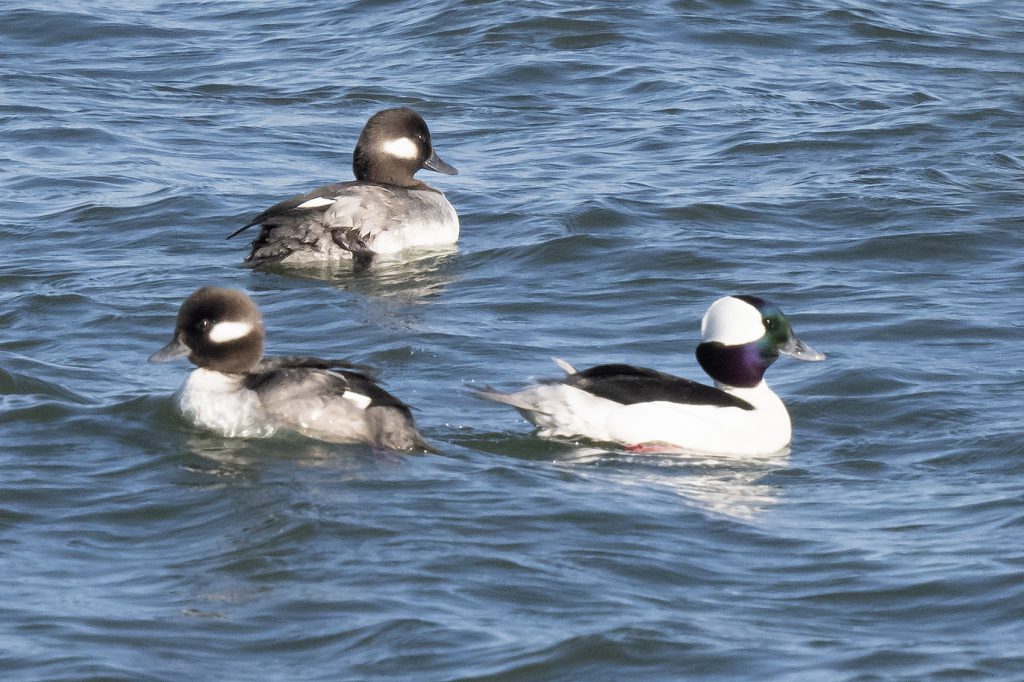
<point>218,329</point>
<point>394,144</point>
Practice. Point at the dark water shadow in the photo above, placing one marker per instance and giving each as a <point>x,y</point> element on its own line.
<point>736,487</point>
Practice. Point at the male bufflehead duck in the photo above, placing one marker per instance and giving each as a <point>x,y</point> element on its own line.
<point>383,211</point>
<point>638,407</point>
<point>239,393</point>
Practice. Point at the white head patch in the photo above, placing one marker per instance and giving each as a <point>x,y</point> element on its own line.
<point>223,332</point>
<point>732,322</point>
<point>402,147</point>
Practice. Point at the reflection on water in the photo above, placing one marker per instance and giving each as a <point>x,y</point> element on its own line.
<point>410,279</point>
<point>730,486</point>
<point>246,459</point>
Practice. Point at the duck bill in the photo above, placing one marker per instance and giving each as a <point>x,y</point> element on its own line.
<point>801,351</point>
<point>435,163</point>
<point>172,351</point>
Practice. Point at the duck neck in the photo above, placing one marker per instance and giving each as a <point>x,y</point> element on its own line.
<point>368,169</point>
<point>742,366</point>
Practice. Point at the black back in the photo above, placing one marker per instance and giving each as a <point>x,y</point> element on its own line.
<point>628,385</point>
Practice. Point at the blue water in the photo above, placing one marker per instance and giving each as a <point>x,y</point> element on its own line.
<point>859,163</point>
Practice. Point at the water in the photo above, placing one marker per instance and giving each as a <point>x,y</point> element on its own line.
<point>860,164</point>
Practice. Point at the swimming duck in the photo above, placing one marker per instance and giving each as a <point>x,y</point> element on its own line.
<point>239,393</point>
<point>384,211</point>
<point>644,409</point>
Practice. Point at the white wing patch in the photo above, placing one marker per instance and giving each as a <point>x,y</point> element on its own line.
<point>402,147</point>
<point>316,202</point>
<point>361,401</point>
<point>223,332</point>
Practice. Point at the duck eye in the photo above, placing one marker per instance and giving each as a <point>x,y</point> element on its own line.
<point>768,322</point>
<point>203,325</point>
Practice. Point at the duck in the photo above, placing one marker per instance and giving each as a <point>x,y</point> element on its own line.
<point>383,212</point>
<point>237,392</point>
<point>645,410</point>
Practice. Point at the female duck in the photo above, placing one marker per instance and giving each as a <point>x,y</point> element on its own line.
<point>384,211</point>
<point>239,393</point>
<point>643,408</point>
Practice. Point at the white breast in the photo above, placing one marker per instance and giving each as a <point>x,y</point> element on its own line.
<point>220,402</point>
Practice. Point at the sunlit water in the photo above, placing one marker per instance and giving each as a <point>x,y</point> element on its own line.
<point>860,164</point>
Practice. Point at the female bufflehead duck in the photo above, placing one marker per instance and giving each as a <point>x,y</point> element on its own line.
<point>239,393</point>
<point>384,211</point>
<point>634,406</point>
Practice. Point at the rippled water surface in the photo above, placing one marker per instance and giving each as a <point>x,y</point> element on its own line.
<point>859,163</point>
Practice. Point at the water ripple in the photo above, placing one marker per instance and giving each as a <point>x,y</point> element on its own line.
<point>620,169</point>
